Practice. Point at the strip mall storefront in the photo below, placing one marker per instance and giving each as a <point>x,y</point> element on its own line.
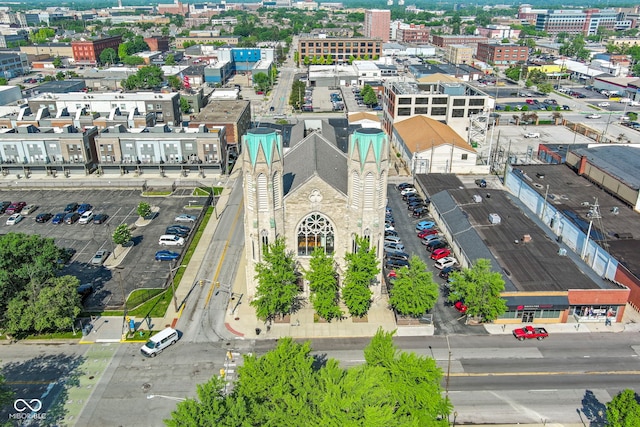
<point>575,305</point>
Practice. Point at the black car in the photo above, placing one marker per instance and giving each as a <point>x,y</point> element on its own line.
<point>402,186</point>
<point>71,218</point>
<point>415,204</point>
<point>176,232</point>
<point>397,255</point>
<point>182,227</point>
<point>413,198</point>
<point>71,207</point>
<point>444,273</point>
<point>420,212</point>
<point>393,263</point>
<point>85,290</point>
<point>43,217</point>
<point>4,206</point>
<point>390,233</point>
<point>100,218</point>
<point>436,244</point>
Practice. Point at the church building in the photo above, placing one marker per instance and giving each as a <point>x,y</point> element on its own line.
<point>324,189</point>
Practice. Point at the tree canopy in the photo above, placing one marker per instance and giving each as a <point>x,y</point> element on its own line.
<point>277,276</point>
<point>479,288</point>
<point>287,386</point>
<point>323,283</point>
<point>362,268</point>
<point>148,77</point>
<point>624,410</point>
<point>414,292</point>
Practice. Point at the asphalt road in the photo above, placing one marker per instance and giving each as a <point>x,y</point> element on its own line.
<point>567,378</point>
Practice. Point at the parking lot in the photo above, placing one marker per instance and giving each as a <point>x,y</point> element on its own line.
<point>138,269</point>
<point>447,320</point>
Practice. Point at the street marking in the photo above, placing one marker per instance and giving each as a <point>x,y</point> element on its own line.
<point>508,374</point>
<point>224,252</point>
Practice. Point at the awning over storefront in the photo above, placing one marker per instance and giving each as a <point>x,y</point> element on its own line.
<point>535,302</point>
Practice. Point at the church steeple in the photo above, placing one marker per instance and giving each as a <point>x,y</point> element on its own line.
<point>264,145</point>
<point>368,145</point>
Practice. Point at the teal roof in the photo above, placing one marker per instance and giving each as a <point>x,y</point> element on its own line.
<point>264,138</point>
<point>369,138</point>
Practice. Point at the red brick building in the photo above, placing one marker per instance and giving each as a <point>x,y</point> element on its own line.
<point>502,54</point>
<point>446,41</point>
<point>418,34</point>
<point>340,48</point>
<point>88,51</point>
<point>158,43</point>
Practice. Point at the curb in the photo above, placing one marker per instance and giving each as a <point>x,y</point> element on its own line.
<point>233,331</point>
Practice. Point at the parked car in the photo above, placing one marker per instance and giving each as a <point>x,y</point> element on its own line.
<point>392,239</point>
<point>170,240</point>
<point>100,218</point>
<point>420,211</point>
<point>423,225</point>
<point>58,218</point>
<point>86,217</point>
<point>43,217</point>
<point>603,104</point>
<point>430,238</point>
<point>481,183</point>
<point>436,244</point>
<point>99,257</point>
<point>399,255</point>
<point>414,199</point>
<point>396,263</point>
<point>29,209</point>
<point>388,227</point>
<point>427,232</point>
<point>403,185</point>
<point>445,272</point>
<point>14,219</point>
<point>4,206</point>
<point>408,190</point>
<point>388,211</point>
<point>530,332</point>
<point>532,135</point>
<point>15,207</point>
<point>185,218</point>
<point>460,306</point>
<point>388,251</point>
<point>593,116</point>
<point>440,253</point>
<point>176,231</point>
<point>394,246</point>
<point>85,290</point>
<point>390,233</point>
<point>166,256</point>
<point>71,207</point>
<point>71,218</point>
<point>84,208</point>
<point>181,227</point>
<point>444,262</point>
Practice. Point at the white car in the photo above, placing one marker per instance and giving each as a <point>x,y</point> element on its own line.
<point>388,227</point>
<point>29,208</point>
<point>408,190</point>
<point>86,217</point>
<point>445,262</point>
<point>14,219</point>
<point>532,135</point>
<point>593,116</point>
<point>603,104</point>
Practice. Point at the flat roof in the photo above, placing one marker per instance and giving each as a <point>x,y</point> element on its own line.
<point>221,111</point>
<point>534,266</point>
<point>568,192</point>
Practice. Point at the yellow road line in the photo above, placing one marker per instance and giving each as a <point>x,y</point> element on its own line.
<point>508,374</point>
<point>224,252</point>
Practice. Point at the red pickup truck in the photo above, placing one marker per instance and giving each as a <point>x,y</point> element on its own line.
<point>529,332</point>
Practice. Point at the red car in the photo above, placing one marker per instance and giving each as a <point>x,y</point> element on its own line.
<point>460,306</point>
<point>440,253</point>
<point>425,233</point>
<point>15,207</point>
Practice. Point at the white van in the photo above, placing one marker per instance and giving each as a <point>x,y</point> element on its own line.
<point>170,240</point>
<point>159,342</point>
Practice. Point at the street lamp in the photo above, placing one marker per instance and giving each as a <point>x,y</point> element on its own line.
<point>124,298</point>
<point>173,286</point>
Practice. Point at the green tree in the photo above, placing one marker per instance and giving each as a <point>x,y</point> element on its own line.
<point>296,97</point>
<point>277,288</point>
<point>122,234</point>
<point>362,268</point>
<point>624,410</point>
<point>323,283</point>
<point>149,77</point>
<point>6,395</point>
<point>144,209</point>
<point>57,62</point>
<point>132,60</point>
<point>174,82</point>
<point>479,288</point>
<point>369,96</point>
<point>414,292</point>
<point>170,59</point>
<point>545,88</point>
<point>282,387</point>
<point>3,81</point>
<point>59,75</point>
<point>123,51</point>
<point>185,107</point>
<point>261,82</point>
<point>42,35</point>
<point>108,56</point>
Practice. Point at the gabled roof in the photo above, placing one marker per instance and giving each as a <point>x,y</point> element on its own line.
<point>315,155</point>
<point>420,133</point>
<point>355,117</point>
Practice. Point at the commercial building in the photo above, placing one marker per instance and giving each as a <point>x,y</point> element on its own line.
<point>446,41</point>
<point>165,107</point>
<point>12,37</point>
<point>158,43</point>
<point>582,21</point>
<point>234,116</point>
<point>502,54</point>
<point>415,34</point>
<point>13,64</point>
<point>9,94</point>
<point>49,50</point>
<point>88,51</point>
<point>459,54</point>
<point>377,24</point>
<point>498,32</point>
<point>226,40</point>
<point>341,50</point>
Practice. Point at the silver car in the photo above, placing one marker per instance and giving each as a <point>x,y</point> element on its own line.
<point>99,258</point>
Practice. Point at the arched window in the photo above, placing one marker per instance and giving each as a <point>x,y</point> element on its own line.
<point>315,231</point>
<point>263,196</point>
<point>355,190</point>
<point>276,190</point>
<point>369,191</point>
<point>248,182</point>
